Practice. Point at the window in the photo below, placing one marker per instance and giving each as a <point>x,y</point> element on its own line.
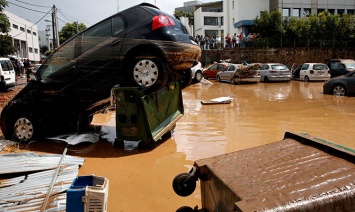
<point>211,21</point>
<point>351,12</point>
<point>6,65</point>
<point>29,31</point>
<point>320,10</point>
<point>222,21</point>
<point>22,29</point>
<point>306,12</point>
<point>34,33</point>
<point>285,12</point>
<point>30,49</point>
<point>14,26</point>
<point>117,25</point>
<point>296,12</point>
<point>331,11</point>
<point>211,33</point>
<point>93,36</point>
<point>36,51</point>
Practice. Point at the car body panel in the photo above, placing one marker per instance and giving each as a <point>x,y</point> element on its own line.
<point>212,71</point>
<point>7,73</point>
<point>311,72</point>
<point>274,72</point>
<point>347,81</point>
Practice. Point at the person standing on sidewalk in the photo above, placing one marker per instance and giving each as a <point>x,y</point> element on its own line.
<point>28,68</point>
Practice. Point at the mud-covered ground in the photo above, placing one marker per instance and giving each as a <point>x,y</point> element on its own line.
<point>141,180</point>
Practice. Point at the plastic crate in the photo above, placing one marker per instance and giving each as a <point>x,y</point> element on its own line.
<point>88,194</point>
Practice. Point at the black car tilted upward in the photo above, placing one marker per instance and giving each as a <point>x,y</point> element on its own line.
<point>138,47</point>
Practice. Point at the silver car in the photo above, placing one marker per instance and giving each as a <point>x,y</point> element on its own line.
<point>274,72</point>
<point>238,73</point>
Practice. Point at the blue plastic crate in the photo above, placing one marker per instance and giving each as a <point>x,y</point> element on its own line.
<point>87,193</point>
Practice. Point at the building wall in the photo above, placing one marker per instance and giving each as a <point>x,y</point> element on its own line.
<point>25,37</point>
<point>238,13</point>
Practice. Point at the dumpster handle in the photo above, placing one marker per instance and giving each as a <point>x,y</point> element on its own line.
<point>192,176</point>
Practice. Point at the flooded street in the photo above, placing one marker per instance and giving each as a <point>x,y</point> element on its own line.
<point>141,180</point>
<point>259,114</point>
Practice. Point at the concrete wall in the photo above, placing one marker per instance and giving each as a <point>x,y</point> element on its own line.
<point>287,56</point>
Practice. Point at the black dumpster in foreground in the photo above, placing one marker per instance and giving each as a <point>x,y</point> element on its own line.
<point>298,173</point>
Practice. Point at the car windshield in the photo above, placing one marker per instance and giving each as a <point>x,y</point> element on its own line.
<point>320,67</point>
<point>350,65</point>
<point>278,67</point>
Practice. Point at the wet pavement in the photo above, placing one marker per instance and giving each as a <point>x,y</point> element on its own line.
<point>141,180</point>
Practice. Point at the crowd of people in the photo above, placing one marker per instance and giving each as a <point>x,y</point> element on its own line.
<point>23,66</point>
<point>215,42</point>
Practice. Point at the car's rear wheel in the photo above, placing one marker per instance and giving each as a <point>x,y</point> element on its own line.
<point>149,72</point>
<point>218,78</point>
<point>306,78</point>
<point>339,90</point>
<point>198,76</point>
<point>205,76</point>
<point>266,79</point>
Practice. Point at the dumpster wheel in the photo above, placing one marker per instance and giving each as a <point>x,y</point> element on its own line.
<point>184,184</point>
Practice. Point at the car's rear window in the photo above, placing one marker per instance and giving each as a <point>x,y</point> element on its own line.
<point>6,65</point>
<point>320,67</point>
<point>278,67</point>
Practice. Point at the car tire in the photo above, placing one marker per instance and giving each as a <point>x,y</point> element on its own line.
<point>205,76</point>
<point>23,127</point>
<point>149,72</point>
<point>219,78</point>
<point>266,79</point>
<point>339,90</point>
<point>198,76</point>
<point>306,78</point>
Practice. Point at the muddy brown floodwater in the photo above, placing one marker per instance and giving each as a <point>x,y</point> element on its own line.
<point>141,180</point>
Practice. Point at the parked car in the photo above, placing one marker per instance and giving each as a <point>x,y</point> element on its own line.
<point>196,72</point>
<point>211,72</point>
<point>338,67</point>
<point>342,85</point>
<point>274,72</point>
<point>141,46</point>
<point>7,73</point>
<point>311,72</point>
<point>237,73</point>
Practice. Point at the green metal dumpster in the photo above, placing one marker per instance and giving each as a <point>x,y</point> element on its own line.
<point>147,117</point>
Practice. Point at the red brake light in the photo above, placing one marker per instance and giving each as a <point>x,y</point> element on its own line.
<point>311,71</point>
<point>272,71</point>
<point>162,21</point>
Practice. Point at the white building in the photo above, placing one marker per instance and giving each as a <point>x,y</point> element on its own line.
<point>236,16</point>
<point>24,37</point>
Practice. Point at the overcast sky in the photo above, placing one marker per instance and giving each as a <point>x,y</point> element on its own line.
<point>88,12</point>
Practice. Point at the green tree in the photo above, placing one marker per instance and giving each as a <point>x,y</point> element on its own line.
<point>4,21</point>
<point>6,46</point>
<point>190,16</point>
<point>69,30</point>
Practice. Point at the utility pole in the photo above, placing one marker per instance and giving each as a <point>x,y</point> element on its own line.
<point>55,27</point>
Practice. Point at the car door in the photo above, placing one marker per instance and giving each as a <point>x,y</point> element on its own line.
<point>227,73</point>
<point>303,71</point>
<point>212,71</point>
